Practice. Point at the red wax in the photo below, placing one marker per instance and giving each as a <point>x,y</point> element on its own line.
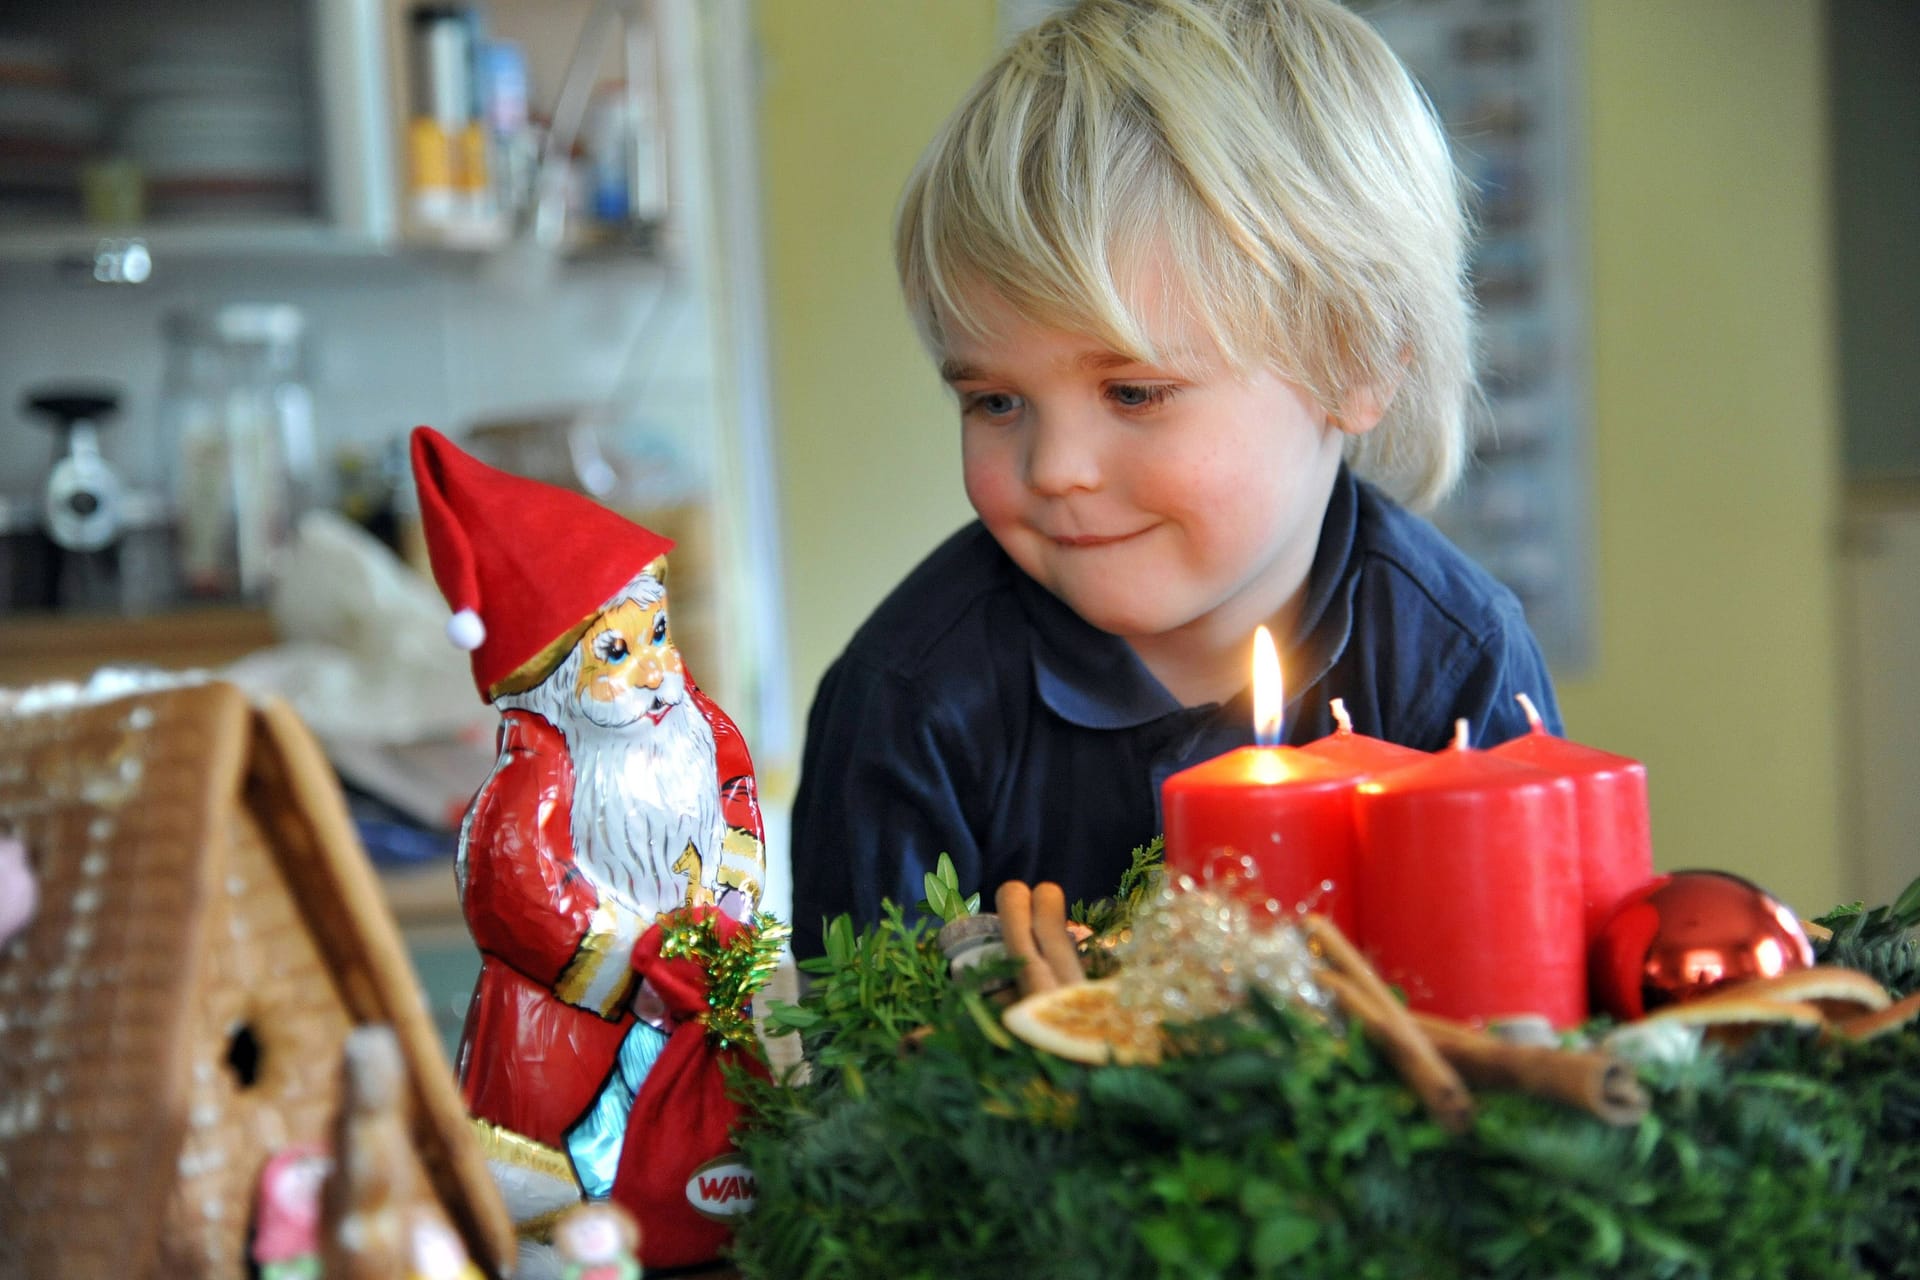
<point>1469,887</point>
<point>1360,753</point>
<point>1610,806</point>
<point>1290,814</point>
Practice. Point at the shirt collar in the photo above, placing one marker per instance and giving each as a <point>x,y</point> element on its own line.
<point>1087,676</point>
<point>1093,679</point>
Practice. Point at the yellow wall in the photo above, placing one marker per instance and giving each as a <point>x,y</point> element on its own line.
<point>1715,451</point>
<point>870,442</point>
<point>1716,438</point>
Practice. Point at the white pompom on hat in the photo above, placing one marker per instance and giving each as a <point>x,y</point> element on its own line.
<point>466,630</point>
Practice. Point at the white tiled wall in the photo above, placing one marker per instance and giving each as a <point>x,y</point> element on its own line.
<point>393,342</point>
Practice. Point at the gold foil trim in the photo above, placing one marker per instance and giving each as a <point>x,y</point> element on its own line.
<point>583,973</point>
<point>540,1227</point>
<point>542,664</point>
<point>522,1152</point>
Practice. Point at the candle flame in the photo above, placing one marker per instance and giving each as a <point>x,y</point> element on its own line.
<point>1269,696</point>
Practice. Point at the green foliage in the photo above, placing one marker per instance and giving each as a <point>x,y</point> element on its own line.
<point>943,898</point>
<point>1290,1149</point>
<point>1879,942</point>
<point>1139,882</point>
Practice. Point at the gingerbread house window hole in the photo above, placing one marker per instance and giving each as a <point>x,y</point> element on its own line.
<point>244,1054</point>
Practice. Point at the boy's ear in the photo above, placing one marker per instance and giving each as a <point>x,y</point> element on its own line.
<point>1362,407</point>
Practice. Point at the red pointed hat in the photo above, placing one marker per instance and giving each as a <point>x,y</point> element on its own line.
<point>525,566</point>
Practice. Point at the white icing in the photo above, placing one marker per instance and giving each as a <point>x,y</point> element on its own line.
<point>108,684</point>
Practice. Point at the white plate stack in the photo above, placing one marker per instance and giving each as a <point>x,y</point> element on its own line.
<point>217,120</point>
<point>48,128</point>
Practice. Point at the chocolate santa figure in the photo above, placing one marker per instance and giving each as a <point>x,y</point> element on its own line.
<point>621,792</point>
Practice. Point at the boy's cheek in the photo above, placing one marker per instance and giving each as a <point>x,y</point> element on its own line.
<point>990,488</point>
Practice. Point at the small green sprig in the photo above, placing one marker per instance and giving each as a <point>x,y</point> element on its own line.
<point>944,899</point>
<point>1879,942</point>
<point>1139,883</point>
<point>868,990</point>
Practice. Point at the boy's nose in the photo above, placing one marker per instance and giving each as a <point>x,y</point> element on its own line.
<point>1062,457</point>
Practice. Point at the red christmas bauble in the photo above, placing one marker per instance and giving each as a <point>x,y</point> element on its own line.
<point>1681,935</point>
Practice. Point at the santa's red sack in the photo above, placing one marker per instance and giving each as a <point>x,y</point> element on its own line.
<point>679,1173</point>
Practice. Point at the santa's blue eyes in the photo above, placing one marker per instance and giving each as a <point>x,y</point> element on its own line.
<point>611,646</point>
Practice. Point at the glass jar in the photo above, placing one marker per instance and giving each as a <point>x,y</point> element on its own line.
<point>240,421</point>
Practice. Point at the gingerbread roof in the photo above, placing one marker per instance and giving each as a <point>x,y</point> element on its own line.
<point>209,930</point>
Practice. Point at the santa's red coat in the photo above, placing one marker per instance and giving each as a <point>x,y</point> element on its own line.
<point>531,1058</point>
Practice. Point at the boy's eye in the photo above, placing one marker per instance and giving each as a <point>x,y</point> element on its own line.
<point>660,627</point>
<point>1138,396</point>
<point>991,404</point>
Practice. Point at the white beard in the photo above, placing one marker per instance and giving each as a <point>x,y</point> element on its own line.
<point>639,799</point>
<point>641,793</point>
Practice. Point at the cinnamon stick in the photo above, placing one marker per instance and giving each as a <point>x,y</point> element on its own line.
<point>1013,902</point>
<point>1427,1073</point>
<point>1387,1023</point>
<point>1050,933</point>
<point>1599,1083</point>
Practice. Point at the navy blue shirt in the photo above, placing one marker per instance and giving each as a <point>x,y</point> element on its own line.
<point>976,714</point>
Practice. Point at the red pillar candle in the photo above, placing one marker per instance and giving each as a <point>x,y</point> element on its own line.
<point>1610,808</point>
<point>1468,878</point>
<point>1359,753</point>
<point>1287,813</point>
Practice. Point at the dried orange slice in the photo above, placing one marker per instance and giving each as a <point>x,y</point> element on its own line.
<point>1894,1017</point>
<point>1086,1022</point>
<point>1837,992</point>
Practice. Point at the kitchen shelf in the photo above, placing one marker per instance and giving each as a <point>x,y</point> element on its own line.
<point>267,238</point>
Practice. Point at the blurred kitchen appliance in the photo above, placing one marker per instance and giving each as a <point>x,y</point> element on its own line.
<point>94,544</point>
<point>239,423</point>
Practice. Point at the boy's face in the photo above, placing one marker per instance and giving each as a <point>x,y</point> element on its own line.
<point>1176,506</point>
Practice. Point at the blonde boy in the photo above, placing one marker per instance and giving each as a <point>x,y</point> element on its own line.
<point>1192,268</point>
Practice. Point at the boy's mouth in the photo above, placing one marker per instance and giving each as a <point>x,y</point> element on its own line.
<point>1082,540</point>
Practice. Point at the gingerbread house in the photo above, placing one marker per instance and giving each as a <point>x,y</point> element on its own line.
<point>209,931</point>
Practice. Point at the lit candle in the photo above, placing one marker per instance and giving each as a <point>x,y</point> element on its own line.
<point>1358,752</point>
<point>1468,878</point>
<point>1610,806</point>
<point>1288,814</point>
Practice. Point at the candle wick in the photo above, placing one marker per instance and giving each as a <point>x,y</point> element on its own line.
<point>1533,712</point>
<point>1460,735</point>
<point>1340,716</point>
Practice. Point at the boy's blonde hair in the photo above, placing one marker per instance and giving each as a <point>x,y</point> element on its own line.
<point>1279,155</point>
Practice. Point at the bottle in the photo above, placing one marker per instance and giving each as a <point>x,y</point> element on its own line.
<point>240,419</point>
<point>438,149</point>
